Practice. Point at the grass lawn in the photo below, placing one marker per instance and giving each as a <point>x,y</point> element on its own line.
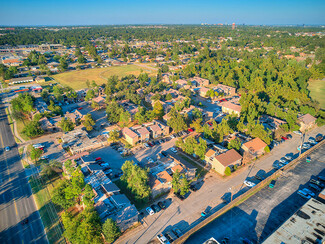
<point>77,79</point>
<point>47,210</point>
<point>12,125</point>
<point>129,195</point>
<point>20,127</point>
<point>200,172</point>
<point>317,91</point>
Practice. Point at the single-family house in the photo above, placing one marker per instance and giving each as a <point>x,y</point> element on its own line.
<point>254,147</point>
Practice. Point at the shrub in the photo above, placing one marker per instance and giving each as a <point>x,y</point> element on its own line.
<point>227,171</point>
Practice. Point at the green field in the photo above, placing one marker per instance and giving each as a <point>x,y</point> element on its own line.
<point>317,91</point>
<point>77,79</point>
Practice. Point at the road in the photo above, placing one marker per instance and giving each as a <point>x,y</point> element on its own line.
<point>186,214</point>
<point>16,199</point>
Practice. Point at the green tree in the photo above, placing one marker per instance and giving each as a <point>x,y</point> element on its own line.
<point>158,109</point>
<point>176,182</point>
<point>33,129</point>
<point>58,195</point>
<point>90,95</point>
<point>95,105</point>
<point>227,171</point>
<point>114,135</point>
<point>235,144</point>
<point>197,125</point>
<point>88,196</point>
<point>125,118</point>
<point>110,230</point>
<point>176,121</point>
<point>35,154</point>
<point>88,122</point>
<point>66,124</point>
<point>201,148</point>
<point>113,112</point>
<point>184,185</point>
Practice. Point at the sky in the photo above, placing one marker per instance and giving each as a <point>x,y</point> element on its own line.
<point>108,12</point>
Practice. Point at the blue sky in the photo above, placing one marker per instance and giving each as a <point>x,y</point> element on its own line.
<point>82,12</point>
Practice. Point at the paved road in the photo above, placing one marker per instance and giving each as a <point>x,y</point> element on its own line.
<point>186,214</point>
<point>16,199</point>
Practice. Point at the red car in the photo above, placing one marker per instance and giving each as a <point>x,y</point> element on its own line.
<point>99,158</point>
<point>79,108</point>
<point>223,99</point>
<point>284,138</point>
<point>190,130</point>
<point>150,144</point>
<point>209,123</point>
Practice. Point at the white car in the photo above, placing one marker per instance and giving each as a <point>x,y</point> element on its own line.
<point>45,157</point>
<point>306,146</point>
<point>312,141</point>
<point>150,211</point>
<point>150,160</point>
<point>283,161</point>
<point>146,145</point>
<point>249,183</point>
<point>287,157</point>
<point>297,132</point>
<point>162,239</point>
<point>173,150</point>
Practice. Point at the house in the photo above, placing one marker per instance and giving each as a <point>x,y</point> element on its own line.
<point>110,188</point>
<point>158,129</point>
<point>144,134</point>
<point>100,101</point>
<point>198,81</point>
<point>306,122</point>
<point>181,83</point>
<point>271,123</point>
<point>203,91</point>
<point>21,80</point>
<point>161,183</point>
<point>120,200</point>
<point>229,108</point>
<point>127,217</point>
<point>227,90</point>
<point>72,116</point>
<point>228,159</point>
<point>130,136</point>
<point>255,147</point>
<point>12,62</point>
<point>47,126</point>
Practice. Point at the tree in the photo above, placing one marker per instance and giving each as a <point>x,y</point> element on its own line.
<point>267,149</point>
<point>197,125</point>
<point>88,196</point>
<point>113,112</point>
<point>176,183</point>
<point>228,171</point>
<point>90,95</point>
<point>66,124</point>
<point>35,154</point>
<point>33,129</point>
<point>125,118</point>
<point>114,135</point>
<point>81,59</point>
<point>50,169</point>
<point>235,144</point>
<point>95,105</point>
<point>201,148</point>
<point>176,121</point>
<point>110,230</point>
<point>88,122</point>
<point>158,109</point>
<point>59,195</point>
<point>184,185</point>
<point>136,180</point>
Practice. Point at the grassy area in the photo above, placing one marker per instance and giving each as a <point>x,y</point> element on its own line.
<point>20,127</point>
<point>317,91</point>
<point>77,79</point>
<point>47,210</point>
<point>139,205</point>
<point>11,123</point>
<point>200,172</point>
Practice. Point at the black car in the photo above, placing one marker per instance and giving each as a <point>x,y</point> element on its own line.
<point>322,178</point>
<point>162,205</point>
<point>315,187</point>
<point>289,136</point>
<point>164,153</point>
<point>155,208</point>
<point>193,188</point>
<point>179,196</point>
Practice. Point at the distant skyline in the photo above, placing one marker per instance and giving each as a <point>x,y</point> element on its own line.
<point>250,12</point>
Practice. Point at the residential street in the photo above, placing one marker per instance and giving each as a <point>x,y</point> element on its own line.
<point>16,199</point>
<point>186,214</point>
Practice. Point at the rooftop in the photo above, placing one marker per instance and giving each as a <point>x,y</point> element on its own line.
<point>229,157</point>
<point>307,119</point>
<point>255,145</point>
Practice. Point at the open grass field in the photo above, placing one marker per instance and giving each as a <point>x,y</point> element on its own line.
<point>77,79</point>
<point>47,210</point>
<point>317,91</point>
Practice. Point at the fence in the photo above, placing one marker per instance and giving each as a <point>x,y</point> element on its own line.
<point>246,195</point>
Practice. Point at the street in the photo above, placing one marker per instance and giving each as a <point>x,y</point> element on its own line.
<point>20,221</point>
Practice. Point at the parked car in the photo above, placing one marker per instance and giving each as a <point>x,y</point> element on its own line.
<point>162,239</point>
<point>97,159</point>
<point>312,141</point>
<point>150,160</point>
<point>177,232</point>
<point>190,130</point>
<point>315,187</point>
<point>179,196</point>
<point>173,150</point>
<point>319,138</point>
<point>306,145</point>
<point>164,153</point>
<point>284,138</point>
<point>249,183</point>
<point>7,149</point>
<point>146,145</point>
<point>309,192</point>
<point>303,194</point>
<point>316,182</point>
<point>162,205</point>
<point>289,136</point>
<point>155,208</point>
<point>150,144</point>
<point>272,184</point>
<point>44,157</point>
<point>170,236</point>
<point>322,178</point>
<point>150,211</point>
<point>297,132</point>
<point>288,157</point>
<point>193,188</point>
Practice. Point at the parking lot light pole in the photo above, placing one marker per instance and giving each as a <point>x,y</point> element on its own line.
<point>302,140</point>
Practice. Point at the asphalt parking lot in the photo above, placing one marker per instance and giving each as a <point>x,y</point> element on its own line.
<point>260,215</point>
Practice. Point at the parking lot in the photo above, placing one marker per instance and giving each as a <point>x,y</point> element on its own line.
<point>260,215</point>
